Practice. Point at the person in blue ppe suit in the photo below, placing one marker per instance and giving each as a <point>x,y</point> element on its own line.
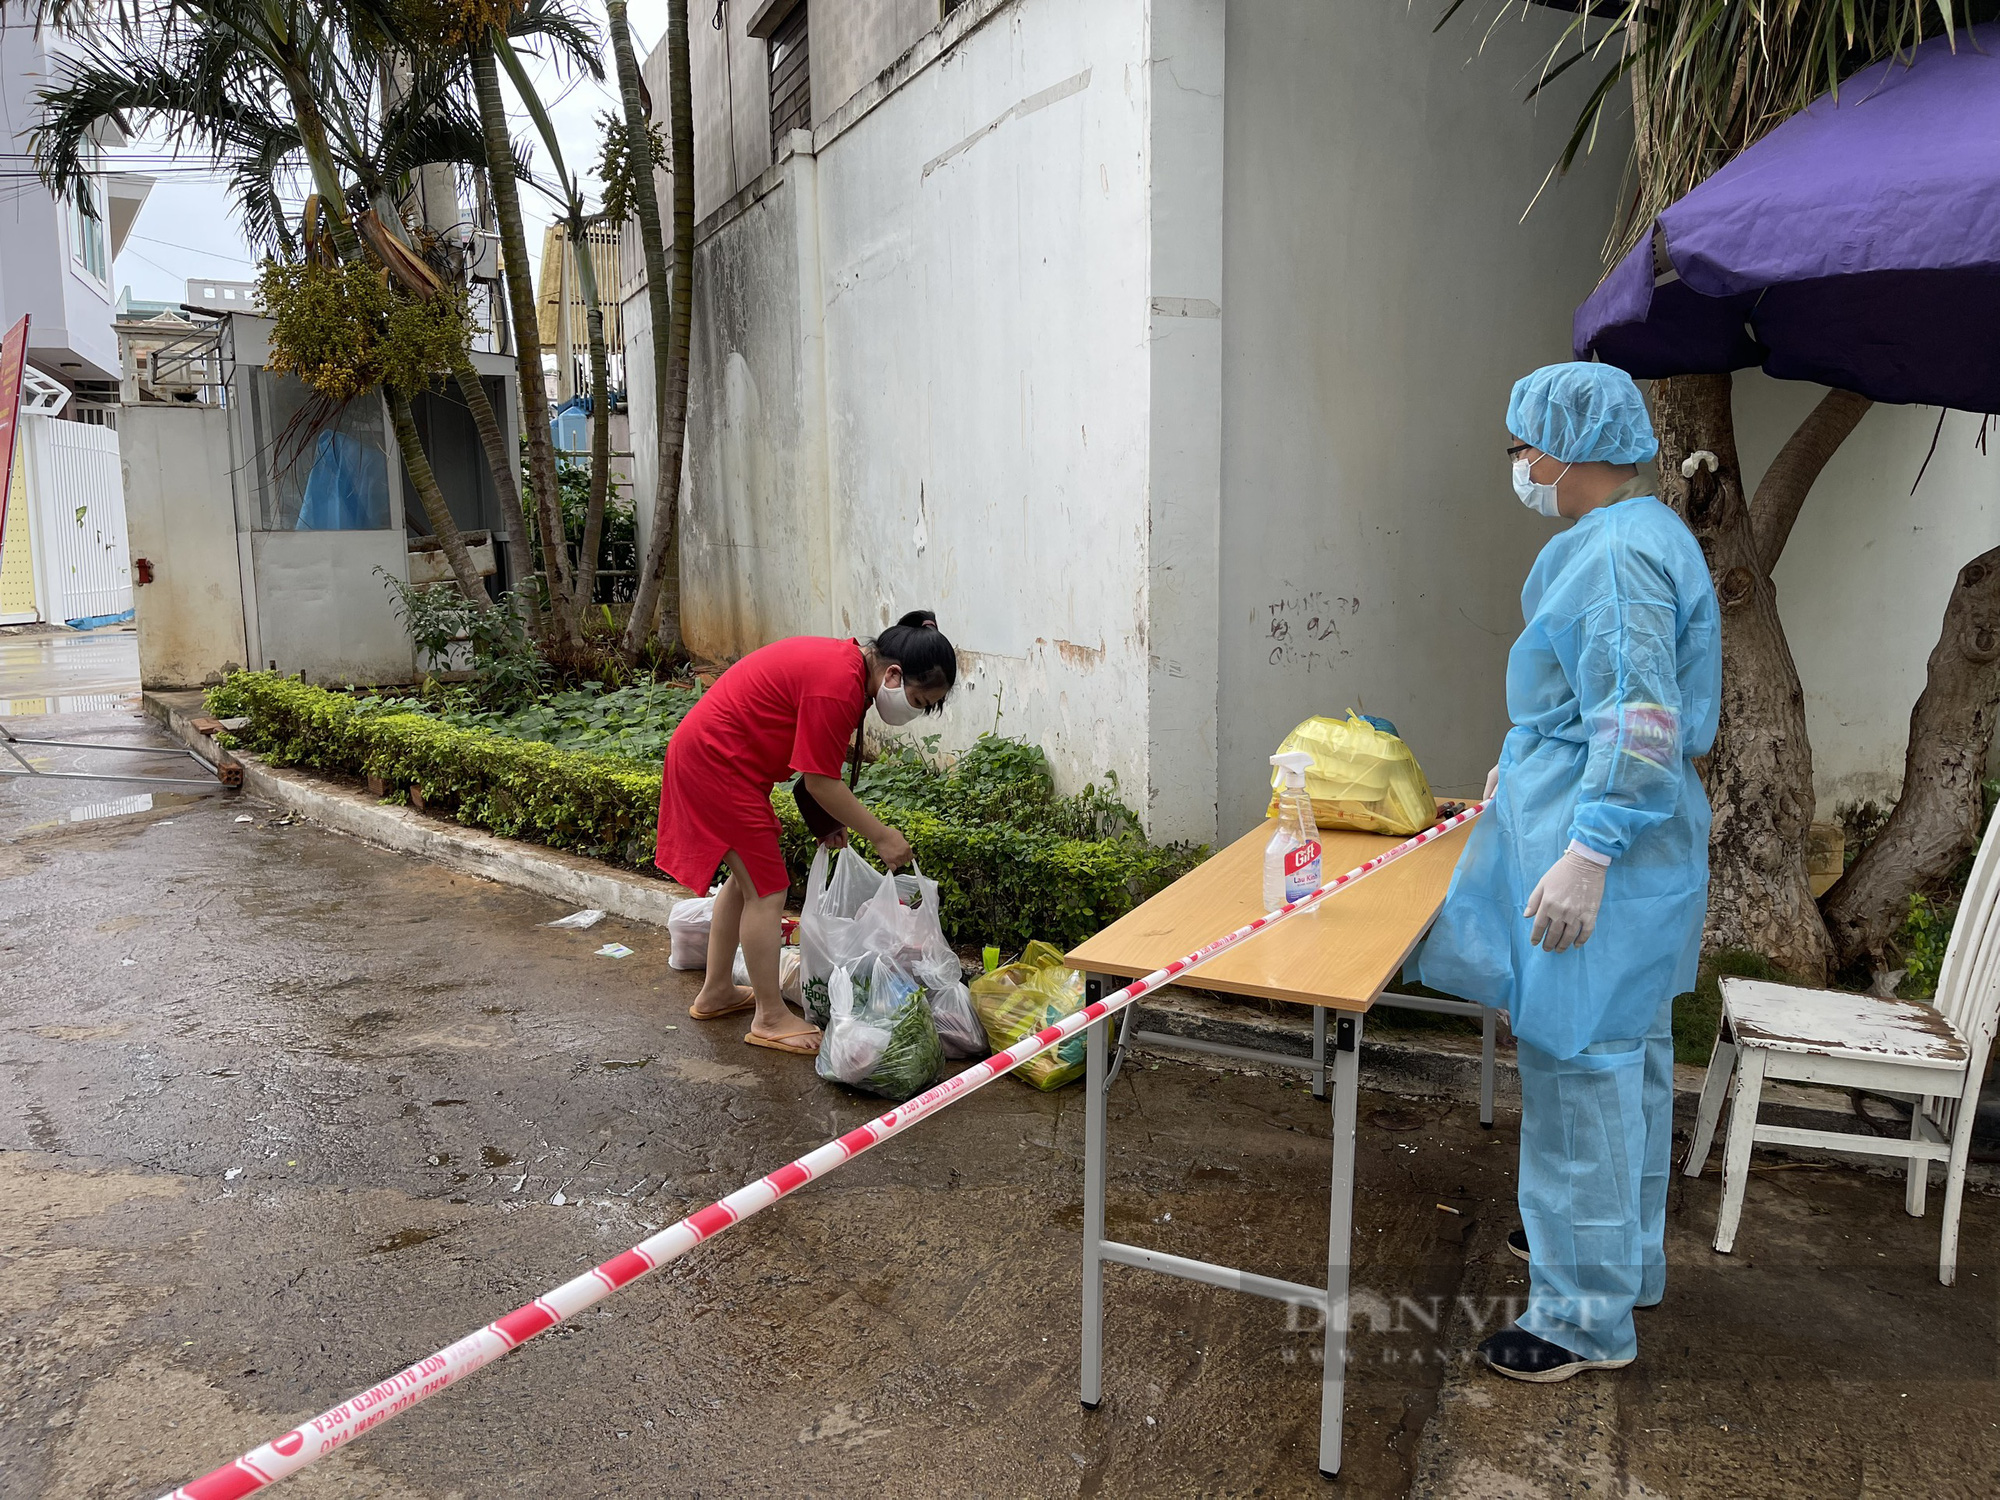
<point>1579,901</point>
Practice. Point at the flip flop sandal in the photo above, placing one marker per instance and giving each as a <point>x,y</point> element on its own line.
<point>798,1043</point>
<point>748,1002</point>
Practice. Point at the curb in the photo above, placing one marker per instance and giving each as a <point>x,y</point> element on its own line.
<point>469,851</point>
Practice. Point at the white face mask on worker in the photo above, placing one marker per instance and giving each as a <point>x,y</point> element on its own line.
<point>1540,498</point>
<point>893,705</point>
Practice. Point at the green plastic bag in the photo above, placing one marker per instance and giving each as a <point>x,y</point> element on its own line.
<point>1029,996</point>
<point>879,1035</point>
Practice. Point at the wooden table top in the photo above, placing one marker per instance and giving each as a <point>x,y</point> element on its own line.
<point>1340,955</point>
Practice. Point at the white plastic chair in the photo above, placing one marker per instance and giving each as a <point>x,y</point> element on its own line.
<point>1933,1056</point>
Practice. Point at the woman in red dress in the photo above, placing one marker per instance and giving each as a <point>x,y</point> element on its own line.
<point>792,706</point>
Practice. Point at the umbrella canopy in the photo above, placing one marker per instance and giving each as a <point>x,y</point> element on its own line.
<point>1857,245</point>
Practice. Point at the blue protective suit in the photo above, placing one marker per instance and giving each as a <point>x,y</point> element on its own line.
<point>1612,689</point>
<point>1596,1147</point>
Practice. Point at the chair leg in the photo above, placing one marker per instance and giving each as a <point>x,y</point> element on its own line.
<point>1742,1135</point>
<point>1920,1166</point>
<point>1714,1086</point>
<point>1954,1195</point>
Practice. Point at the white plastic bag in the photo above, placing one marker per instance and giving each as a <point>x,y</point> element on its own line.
<point>829,930</point>
<point>687,932</point>
<point>879,1036</point>
<point>788,972</point>
<point>853,910</point>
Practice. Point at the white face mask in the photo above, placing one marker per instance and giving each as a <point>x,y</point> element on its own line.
<point>894,705</point>
<point>1540,498</point>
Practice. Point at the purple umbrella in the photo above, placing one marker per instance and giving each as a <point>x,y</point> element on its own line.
<point>1857,245</point>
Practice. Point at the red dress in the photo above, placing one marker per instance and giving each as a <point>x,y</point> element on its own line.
<point>791,706</point>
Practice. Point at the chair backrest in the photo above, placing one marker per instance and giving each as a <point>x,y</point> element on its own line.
<point>1969,984</point>
<point>1961,994</point>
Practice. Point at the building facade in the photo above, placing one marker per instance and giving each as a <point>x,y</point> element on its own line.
<point>1163,347</point>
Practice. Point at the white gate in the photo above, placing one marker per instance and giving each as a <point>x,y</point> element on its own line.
<point>78,494</point>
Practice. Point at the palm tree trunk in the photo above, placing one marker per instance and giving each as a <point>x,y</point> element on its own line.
<point>439,514</point>
<point>493,439</point>
<point>1936,820</point>
<point>527,341</point>
<point>600,414</point>
<point>1759,776</point>
<point>659,589</point>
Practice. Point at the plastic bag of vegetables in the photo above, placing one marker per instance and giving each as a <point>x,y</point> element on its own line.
<point>1025,997</point>
<point>879,1036</point>
<point>851,910</point>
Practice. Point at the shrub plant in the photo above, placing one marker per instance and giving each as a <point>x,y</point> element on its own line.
<point>1012,858</point>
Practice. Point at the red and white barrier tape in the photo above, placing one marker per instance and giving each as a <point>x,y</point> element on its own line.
<point>286,1455</point>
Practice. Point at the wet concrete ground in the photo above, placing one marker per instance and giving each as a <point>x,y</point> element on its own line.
<point>282,1113</point>
<point>45,670</point>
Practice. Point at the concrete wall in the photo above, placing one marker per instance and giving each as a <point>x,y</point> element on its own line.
<point>180,517</point>
<point>984,246</point>
<point>757,536</point>
<point>1381,296</point>
<point>852,41</point>
<point>1865,576</point>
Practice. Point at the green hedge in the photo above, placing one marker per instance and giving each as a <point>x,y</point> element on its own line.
<point>996,884</point>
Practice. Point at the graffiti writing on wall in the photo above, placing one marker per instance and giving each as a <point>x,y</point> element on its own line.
<point>1304,628</point>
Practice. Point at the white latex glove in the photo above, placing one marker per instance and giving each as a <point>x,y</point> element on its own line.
<point>1564,903</point>
<point>1492,785</point>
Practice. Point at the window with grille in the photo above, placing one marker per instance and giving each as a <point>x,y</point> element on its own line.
<point>791,77</point>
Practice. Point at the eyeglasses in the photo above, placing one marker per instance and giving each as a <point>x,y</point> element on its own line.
<point>1519,448</point>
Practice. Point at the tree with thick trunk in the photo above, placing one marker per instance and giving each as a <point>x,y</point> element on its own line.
<point>659,590</point>
<point>542,481</point>
<point>1759,775</point>
<point>1935,822</point>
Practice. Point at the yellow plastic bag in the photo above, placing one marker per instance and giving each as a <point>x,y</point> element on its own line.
<point>1025,997</point>
<point>1362,778</point>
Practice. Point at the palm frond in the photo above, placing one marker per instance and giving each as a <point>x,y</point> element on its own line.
<point>1709,78</point>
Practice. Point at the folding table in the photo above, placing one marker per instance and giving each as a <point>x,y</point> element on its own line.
<point>1336,960</point>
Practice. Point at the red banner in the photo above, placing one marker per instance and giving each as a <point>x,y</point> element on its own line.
<point>13,360</point>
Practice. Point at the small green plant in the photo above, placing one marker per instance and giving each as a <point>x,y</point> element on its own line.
<point>1921,942</point>
<point>999,880</point>
<point>438,616</point>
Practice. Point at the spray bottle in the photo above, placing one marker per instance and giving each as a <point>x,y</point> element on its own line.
<point>1292,858</point>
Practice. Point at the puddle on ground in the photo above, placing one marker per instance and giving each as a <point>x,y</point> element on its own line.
<point>493,1156</point>
<point>403,1240</point>
<point>443,1103</point>
<point>117,807</point>
<point>625,1062</point>
<point>443,1159</point>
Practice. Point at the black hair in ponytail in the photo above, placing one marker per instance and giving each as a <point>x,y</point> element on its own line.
<point>915,644</point>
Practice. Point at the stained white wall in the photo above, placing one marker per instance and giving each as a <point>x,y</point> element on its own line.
<point>984,246</point>
<point>1868,568</point>
<point>1381,295</point>
<point>181,518</point>
<point>921,379</point>
<point>753,543</point>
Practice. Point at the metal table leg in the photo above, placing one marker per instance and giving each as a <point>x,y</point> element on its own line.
<point>1340,1239</point>
<point>1488,1026</point>
<point>1094,1087</point>
<point>1319,1052</point>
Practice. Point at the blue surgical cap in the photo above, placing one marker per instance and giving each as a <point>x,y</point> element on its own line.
<point>1582,413</point>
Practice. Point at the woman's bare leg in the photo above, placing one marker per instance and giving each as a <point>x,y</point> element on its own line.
<point>762,927</point>
<point>720,993</point>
